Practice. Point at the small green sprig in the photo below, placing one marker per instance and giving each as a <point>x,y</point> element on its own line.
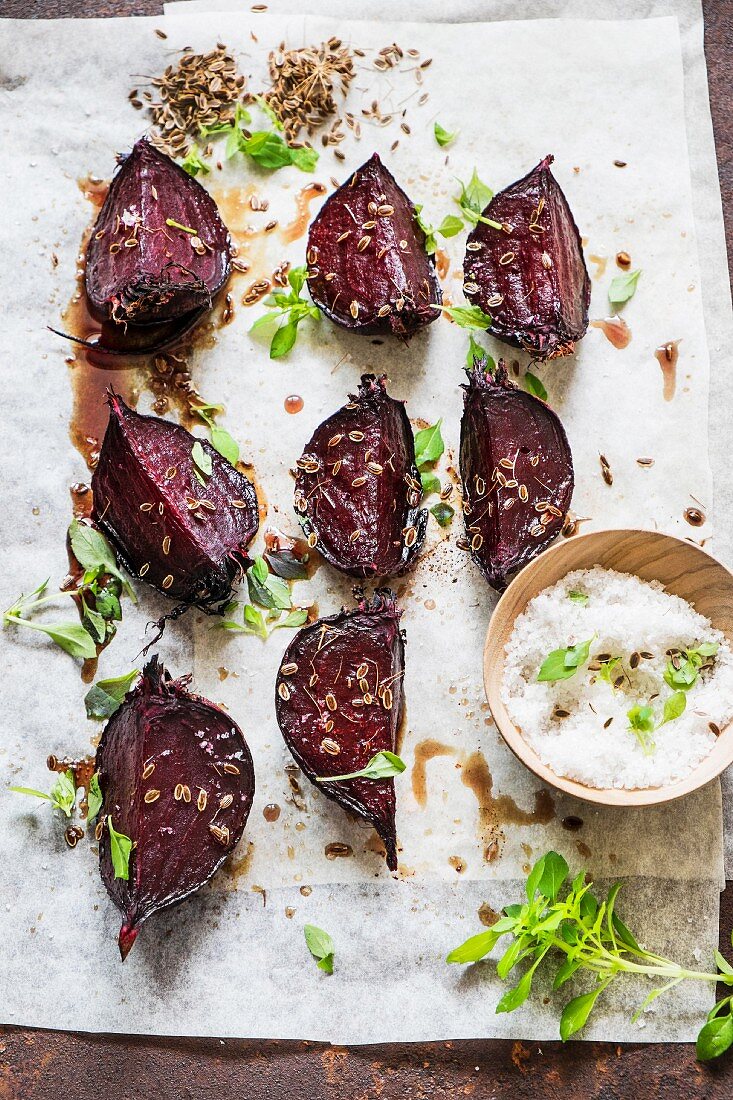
<point>321,947</point>
<point>442,136</point>
<point>582,934</point>
<point>220,438</point>
<point>449,227</point>
<point>561,664</point>
<point>268,592</point>
<point>265,147</point>
<point>429,447</point>
<point>286,309</point>
<point>623,287</point>
<point>383,765</point>
<point>62,795</point>
<point>105,697</point>
<point>120,849</point>
<point>473,199</point>
<point>683,669</point>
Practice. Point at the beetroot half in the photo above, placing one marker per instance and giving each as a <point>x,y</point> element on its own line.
<point>338,702</point>
<point>367,265</point>
<point>158,254</point>
<point>184,537</point>
<point>517,473</point>
<point>177,779</point>
<point>357,488</point>
<point>530,276</point>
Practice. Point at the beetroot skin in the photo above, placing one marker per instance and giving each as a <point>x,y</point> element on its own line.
<point>177,779</point>
<point>367,265</point>
<point>338,702</point>
<point>357,489</point>
<point>517,472</point>
<point>530,276</point>
<point>185,538</point>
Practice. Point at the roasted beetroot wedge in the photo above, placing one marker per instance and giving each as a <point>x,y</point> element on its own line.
<point>177,779</point>
<point>338,703</point>
<point>357,489</point>
<point>530,275</point>
<point>517,473</point>
<point>367,265</point>
<point>178,514</point>
<point>158,254</point>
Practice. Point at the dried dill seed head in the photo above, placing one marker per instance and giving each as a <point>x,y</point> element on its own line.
<point>200,90</point>
<point>303,84</point>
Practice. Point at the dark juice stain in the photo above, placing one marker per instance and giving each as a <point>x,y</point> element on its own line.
<point>583,849</point>
<point>298,227</point>
<point>510,814</point>
<point>487,915</point>
<point>502,810</point>
<point>223,672</point>
<point>424,752</point>
<point>694,516</point>
<point>293,403</point>
<point>442,263</point>
<point>572,823</point>
<point>81,500</point>
<point>601,263</point>
<point>457,864</point>
<point>616,331</point>
<point>271,812</point>
<point>237,865</point>
<point>94,190</point>
<point>667,356</point>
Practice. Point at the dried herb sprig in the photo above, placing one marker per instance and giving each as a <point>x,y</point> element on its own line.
<point>304,82</point>
<point>582,934</point>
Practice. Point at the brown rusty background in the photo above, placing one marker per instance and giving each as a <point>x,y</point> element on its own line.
<point>47,1065</point>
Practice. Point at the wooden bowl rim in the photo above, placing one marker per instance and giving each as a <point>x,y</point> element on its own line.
<point>605,796</point>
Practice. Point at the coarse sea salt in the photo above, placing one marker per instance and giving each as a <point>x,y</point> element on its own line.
<point>623,615</point>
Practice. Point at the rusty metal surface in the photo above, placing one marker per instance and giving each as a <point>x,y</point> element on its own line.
<point>45,1065</point>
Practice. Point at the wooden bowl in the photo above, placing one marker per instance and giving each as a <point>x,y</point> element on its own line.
<point>684,569</point>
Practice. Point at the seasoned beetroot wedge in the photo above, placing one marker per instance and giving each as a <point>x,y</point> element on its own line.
<point>338,703</point>
<point>367,265</point>
<point>530,276</point>
<point>517,473</point>
<point>177,779</point>
<point>186,537</point>
<point>357,489</point>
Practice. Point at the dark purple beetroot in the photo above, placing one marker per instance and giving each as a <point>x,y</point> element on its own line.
<point>150,292</point>
<point>338,703</point>
<point>185,538</point>
<point>367,265</point>
<point>357,489</point>
<point>177,779</point>
<point>517,473</point>
<point>530,277</point>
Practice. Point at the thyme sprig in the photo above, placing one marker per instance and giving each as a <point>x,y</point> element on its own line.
<point>582,934</point>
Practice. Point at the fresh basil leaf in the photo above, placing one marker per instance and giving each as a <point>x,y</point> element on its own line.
<point>515,997</point>
<point>429,445</point>
<point>576,1012</point>
<point>193,163</point>
<point>94,798</point>
<point>674,706</point>
<point>104,697</point>
<point>442,136</point>
<point>305,158</point>
<point>450,226</point>
<point>71,637</point>
<point>294,619</point>
<point>321,946</point>
<point>62,796</point>
<point>223,442</point>
<point>253,620</point>
<point>443,513</point>
<point>201,460</point>
<point>623,287</point>
<point>533,878</point>
<point>430,242</point>
<point>475,196</point>
<point>534,385</point>
<point>561,664</point>
<point>715,1038</point>
<point>260,570</point>
<point>383,765</point>
<point>476,354</point>
<point>468,316</point>
<point>554,873</point>
<point>284,339</point>
<point>475,947</point>
<point>430,483</point>
<point>265,106</point>
<point>120,847</point>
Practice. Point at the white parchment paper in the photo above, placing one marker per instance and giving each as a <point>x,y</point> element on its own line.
<point>225,963</point>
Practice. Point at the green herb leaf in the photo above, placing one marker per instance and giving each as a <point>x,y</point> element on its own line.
<point>104,697</point>
<point>71,637</point>
<point>383,765</point>
<point>287,309</point>
<point>674,706</point>
<point>267,590</point>
<point>120,847</point>
<point>177,225</point>
<point>193,163</point>
<point>715,1037</point>
<point>576,1012</point>
<point>534,385</point>
<point>294,619</point>
<point>476,947</point>
<point>224,443</point>
<point>561,664</point>
<point>475,196</point>
<point>578,597</point>
<point>450,226</point>
<point>623,287</point>
<point>429,445</point>
<point>270,151</point>
<point>94,798</point>
<point>284,339</point>
<point>443,514</point>
<point>62,796</point>
<point>430,242</point>
<point>94,553</point>
<point>442,136</point>
<point>201,460</point>
<point>321,947</point>
<point>641,724</point>
<point>468,316</point>
<point>265,106</point>
<point>554,872</point>
<point>430,483</point>
<point>477,354</point>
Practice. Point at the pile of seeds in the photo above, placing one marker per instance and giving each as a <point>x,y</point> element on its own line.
<point>201,90</point>
<point>304,81</point>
